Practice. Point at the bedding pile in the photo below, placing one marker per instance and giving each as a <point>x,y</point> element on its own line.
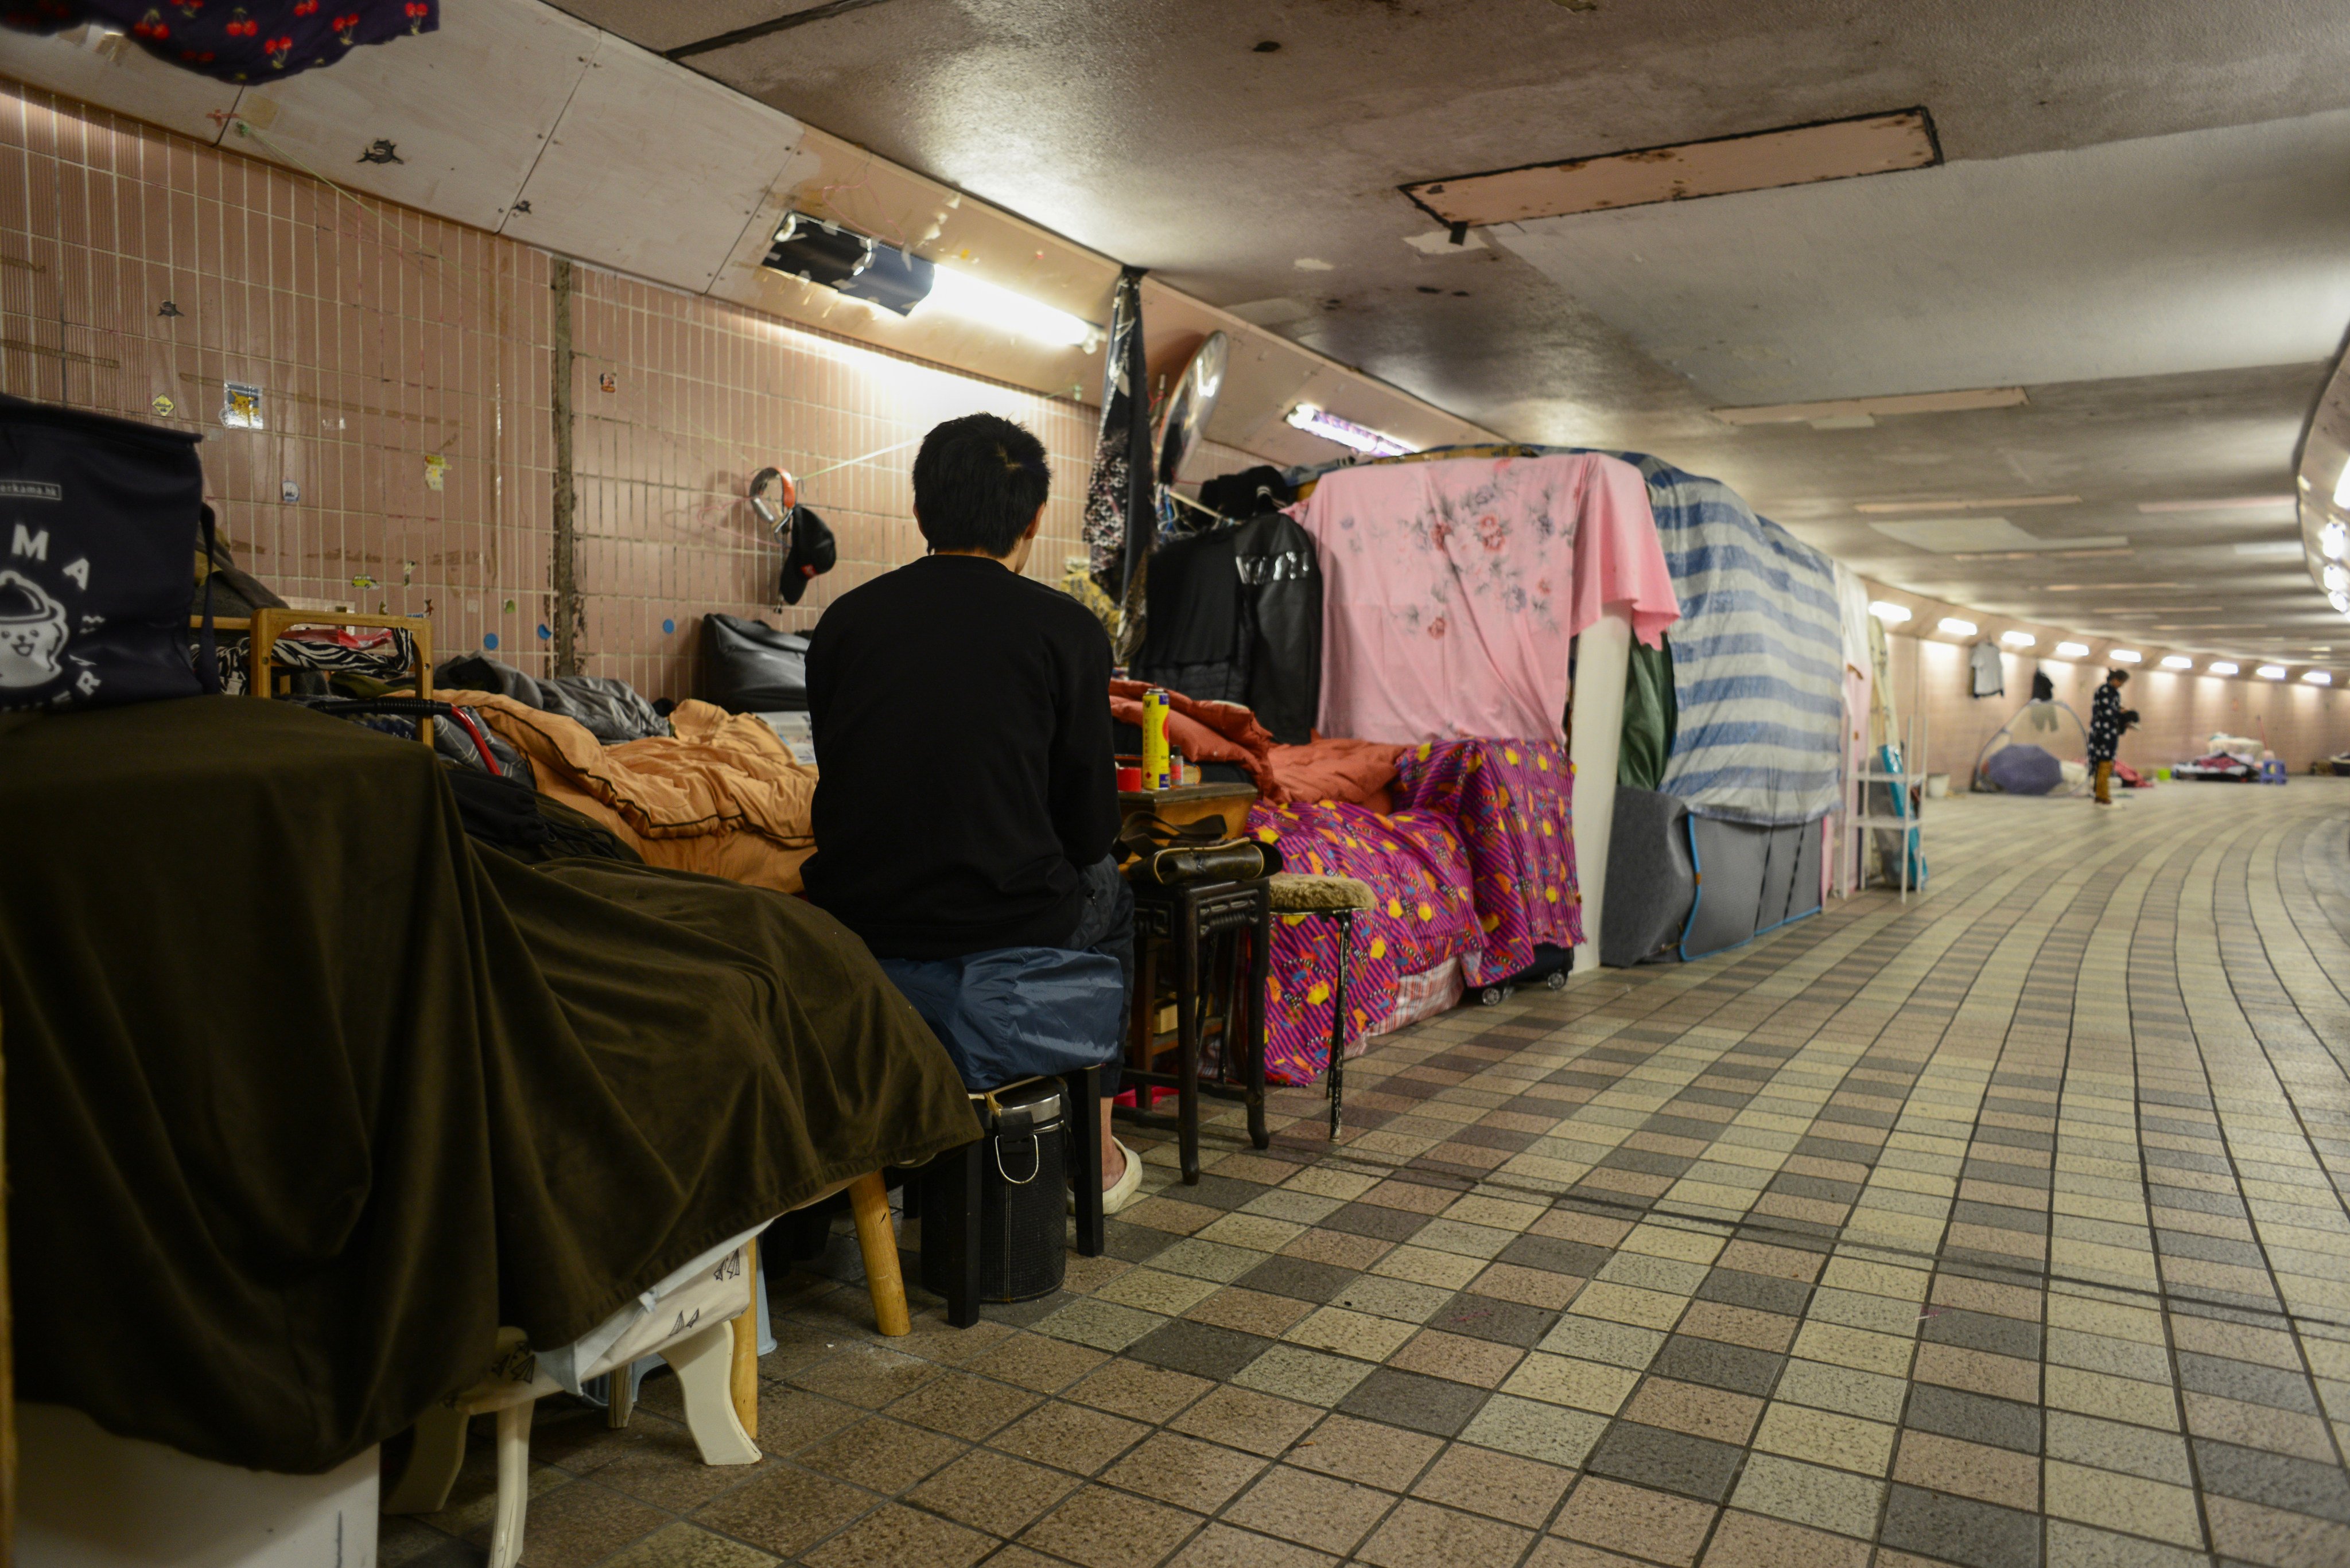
<point>307,1097</point>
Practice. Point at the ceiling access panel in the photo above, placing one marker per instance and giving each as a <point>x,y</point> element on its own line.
<point>1758,161</point>
<point>651,170</point>
<point>449,122</point>
<point>115,72</point>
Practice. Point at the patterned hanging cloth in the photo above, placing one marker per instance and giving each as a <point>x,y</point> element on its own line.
<point>1121,511</point>
<point>259,40</point>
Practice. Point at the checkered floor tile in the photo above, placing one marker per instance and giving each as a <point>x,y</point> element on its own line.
<point>2000,1228</point>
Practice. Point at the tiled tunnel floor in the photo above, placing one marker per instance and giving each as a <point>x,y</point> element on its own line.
<point>1998,1229</point>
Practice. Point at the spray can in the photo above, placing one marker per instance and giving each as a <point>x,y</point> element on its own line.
<point>1154,739</point>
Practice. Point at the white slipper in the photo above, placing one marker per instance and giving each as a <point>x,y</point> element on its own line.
<point>1124,1191</point>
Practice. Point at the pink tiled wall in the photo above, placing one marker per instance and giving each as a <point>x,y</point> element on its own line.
<point>2179,711</point>
<point>139,271</point>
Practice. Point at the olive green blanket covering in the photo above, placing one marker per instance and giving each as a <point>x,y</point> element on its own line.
<point>305,1095</point>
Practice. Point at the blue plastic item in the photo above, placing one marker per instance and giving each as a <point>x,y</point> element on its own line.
<point>2272,771</point>
<point>2025,769</point>
<point>1017,1012</point>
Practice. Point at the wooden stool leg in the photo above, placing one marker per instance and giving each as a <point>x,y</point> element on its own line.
<point>433,1461</point>
<point>1082,1092</point>
<point>743,1379</point>
<point>623,1401</point>
<point>514,1483</point>
<point>868,1200</point>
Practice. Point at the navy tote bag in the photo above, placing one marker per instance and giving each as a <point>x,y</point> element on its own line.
<point>98,523</point>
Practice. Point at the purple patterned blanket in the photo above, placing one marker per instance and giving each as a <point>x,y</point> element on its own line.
<point>1477,863</point>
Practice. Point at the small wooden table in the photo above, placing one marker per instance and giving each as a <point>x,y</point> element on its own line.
<point>1190,802</point>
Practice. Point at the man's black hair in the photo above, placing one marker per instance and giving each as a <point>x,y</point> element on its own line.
<point>2119,674</point>
<point>978,479</point>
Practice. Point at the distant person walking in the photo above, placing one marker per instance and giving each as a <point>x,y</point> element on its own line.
<point>2106,722</point>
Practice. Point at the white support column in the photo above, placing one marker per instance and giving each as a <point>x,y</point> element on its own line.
<point>1603,655</point>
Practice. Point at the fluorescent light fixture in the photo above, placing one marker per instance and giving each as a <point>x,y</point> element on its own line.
<point>2018,638</point>
<point>2220,667</point>
<point>2342,488</point>
<point>1995,505</point>
<point>2333,540</point>
<point>2176,661</point>
<point>1345,432</point>
<point>2335,577</point>
<point>2318,677</point>
<point>2071,650</point>
<point>1957,627</point>
<point>2271,672</point>
<point>1875,407</point>
<point>976,299</point>
<point>2126,656</point>
<point>2340,600</point>
<point>1888,612</point>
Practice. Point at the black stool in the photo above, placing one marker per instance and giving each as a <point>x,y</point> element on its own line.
<point>1207,926</point>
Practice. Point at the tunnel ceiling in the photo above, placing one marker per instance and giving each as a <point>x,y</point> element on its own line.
<point>2140,217</point>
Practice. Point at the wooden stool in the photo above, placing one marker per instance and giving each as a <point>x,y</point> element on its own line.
<point>1337,900</point>
<point>1192,917</point>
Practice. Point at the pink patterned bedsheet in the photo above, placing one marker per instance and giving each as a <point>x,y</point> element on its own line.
<point>1478,864</point>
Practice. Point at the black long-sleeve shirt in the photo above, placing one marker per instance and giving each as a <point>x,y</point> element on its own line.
<point>964,767</point>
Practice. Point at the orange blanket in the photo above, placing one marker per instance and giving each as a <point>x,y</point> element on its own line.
<point>722,797</point>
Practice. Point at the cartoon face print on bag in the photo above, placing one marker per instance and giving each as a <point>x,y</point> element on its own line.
<point>32,633</point>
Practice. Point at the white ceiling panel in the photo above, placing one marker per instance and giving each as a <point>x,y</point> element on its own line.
<point>2206,250</point>
<point>466,108</point>
<point>653,170</point>
<point>99,67</point>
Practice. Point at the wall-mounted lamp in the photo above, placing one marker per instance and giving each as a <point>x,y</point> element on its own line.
<point>818,250</point>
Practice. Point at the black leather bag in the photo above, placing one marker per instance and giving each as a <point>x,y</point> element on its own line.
<point>98,525</point>
<point>749,667</point>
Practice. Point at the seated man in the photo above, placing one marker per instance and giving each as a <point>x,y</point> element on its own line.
<point>967,794</point>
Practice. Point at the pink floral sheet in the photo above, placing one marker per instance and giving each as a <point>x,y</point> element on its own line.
<point>1476,862</point>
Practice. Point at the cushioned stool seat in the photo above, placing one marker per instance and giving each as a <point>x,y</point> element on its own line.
<point>1337,900</point>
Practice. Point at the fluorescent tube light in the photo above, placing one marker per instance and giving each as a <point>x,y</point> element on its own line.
<point>2271,672</point>
<point>2071,650</point>
<point>2126,656</point>
<point>2176,661</point>
<point>976,299</point>
<point>2220,666</point>
<point>2342,488</point>
<point>2318,677</point>
<point>1888,612</point>
<point>2333,540</point>
<point>2018,638</point>
<point>2335,577</point>
<point>1957,627</point>
<point>1345,432</point>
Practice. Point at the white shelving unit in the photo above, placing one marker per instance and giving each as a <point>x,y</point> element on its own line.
<point>1911,784</point>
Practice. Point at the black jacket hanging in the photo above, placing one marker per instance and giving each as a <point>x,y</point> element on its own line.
<point>1235,616</point>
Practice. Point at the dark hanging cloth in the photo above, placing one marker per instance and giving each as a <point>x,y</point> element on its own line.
<point>1235,616</point>
<point>2043,688</point>
<point>1121,500</point>
<point>1281,583</point>
<point>260,40</point>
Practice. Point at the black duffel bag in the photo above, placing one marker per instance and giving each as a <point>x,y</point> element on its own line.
<point>749,667</point>
<point>98,523</point>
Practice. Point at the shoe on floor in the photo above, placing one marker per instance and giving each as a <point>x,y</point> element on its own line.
<point>1125,1189</point>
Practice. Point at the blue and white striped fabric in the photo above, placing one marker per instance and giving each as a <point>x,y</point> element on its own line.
<point>1758,656</point>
